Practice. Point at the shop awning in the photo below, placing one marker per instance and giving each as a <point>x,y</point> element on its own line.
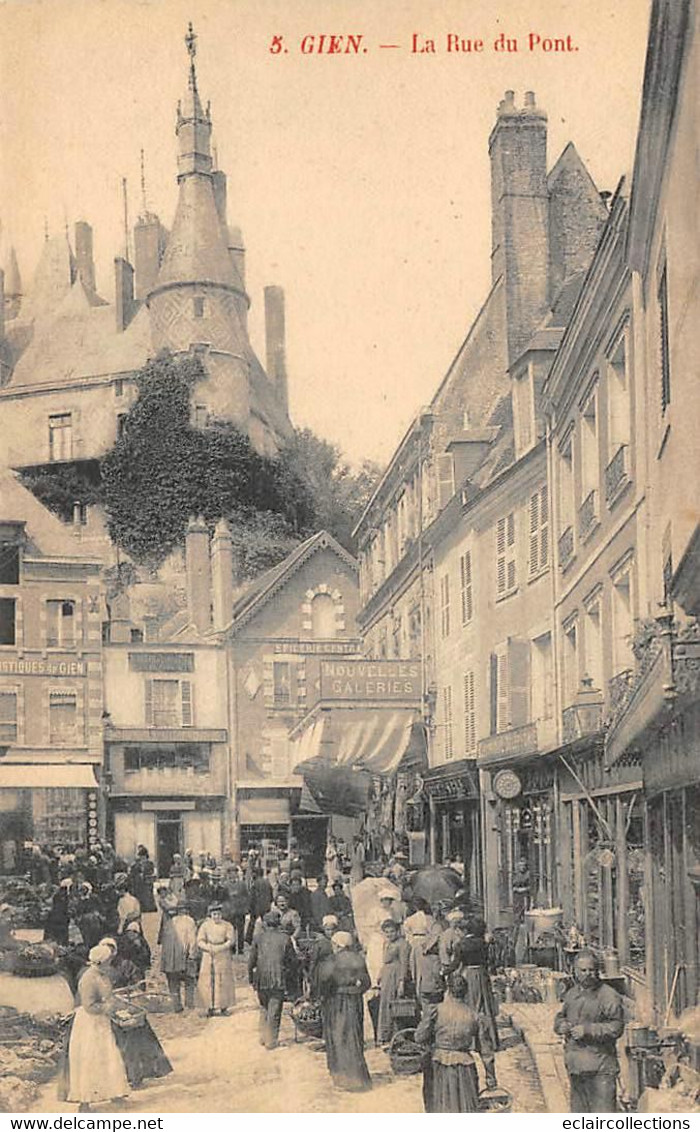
<point>374,740</point>
<point>43,776</point>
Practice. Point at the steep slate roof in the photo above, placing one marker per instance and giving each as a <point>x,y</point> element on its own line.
<point>46,534</point>
<point>80,341</point>
<point>197,248</point>
<point>267,585</point>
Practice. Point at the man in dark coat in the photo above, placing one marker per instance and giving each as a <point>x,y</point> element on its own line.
<point>270,960</point>
<point>300,900</point>
<point>590,1021</point>
<point>237,905</point>
<point>260,903</point>
<point>341,906</point>
<point>320,903</point>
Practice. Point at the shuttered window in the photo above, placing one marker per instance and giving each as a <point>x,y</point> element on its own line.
<point>510,686</point>
<point>446,479</point>
<point>469,714</point>
<point>169,703</point>
<point>445,605</point>
<point>539,531</point>
<point>448,737</point>
<point>506,576</point>
<point>465,574</point>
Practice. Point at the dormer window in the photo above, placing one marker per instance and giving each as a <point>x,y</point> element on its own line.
<point>9,564</point>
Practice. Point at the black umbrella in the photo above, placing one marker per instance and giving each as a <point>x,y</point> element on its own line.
<point>437,882</point>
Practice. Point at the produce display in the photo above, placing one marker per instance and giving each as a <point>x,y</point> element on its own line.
<point>30,1049</point>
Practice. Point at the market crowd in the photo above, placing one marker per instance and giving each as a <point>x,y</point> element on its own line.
<point>414,958</point>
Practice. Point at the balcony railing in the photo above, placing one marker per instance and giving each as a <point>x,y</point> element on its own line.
<point>566,547</point>
<point>517,741</point>
<point>577,723</point>
<point>616,474</point>
<point>588,514</point>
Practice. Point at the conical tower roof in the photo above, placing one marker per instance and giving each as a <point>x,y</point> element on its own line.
<point>13,279</point>
<point>197,249</point>
<point>54,276</point>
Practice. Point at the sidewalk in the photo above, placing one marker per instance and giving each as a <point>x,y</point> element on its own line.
<point>534,1022</point>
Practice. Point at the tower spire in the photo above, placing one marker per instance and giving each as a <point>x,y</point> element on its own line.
<point>193,121</point>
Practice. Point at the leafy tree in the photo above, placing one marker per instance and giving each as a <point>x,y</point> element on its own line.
<point>62,487</point>
<point>162,470</point>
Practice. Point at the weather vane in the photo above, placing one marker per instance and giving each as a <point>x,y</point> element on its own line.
<point>191,41</point>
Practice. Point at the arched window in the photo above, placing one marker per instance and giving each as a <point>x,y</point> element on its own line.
<point>323,619</point>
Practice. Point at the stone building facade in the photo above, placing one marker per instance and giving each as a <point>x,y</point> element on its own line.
<point>50,681</point>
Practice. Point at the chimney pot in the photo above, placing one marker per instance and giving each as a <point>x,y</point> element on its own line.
<point>530,99</point>
<point>275,342</point>
<point>83,254</point>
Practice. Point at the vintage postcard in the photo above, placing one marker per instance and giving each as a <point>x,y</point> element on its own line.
<point>349,557</point>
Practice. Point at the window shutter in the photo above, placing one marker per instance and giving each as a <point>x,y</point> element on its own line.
<point>493,692</point>
<point>534,533</point>
<point>519,682</point>
<point>501,556</point>
<point>465,563</point>
<point>469,718</point>
<point>544,527</point>
<point>187,704</point>
<point>502,697</point>
<point>148,686</point>
<point>446,479</point>
<point>447,702</point>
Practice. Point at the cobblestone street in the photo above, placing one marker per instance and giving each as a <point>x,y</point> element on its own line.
<point>219,1066</point>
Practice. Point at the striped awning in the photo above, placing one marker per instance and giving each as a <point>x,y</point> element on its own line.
<point>374,740</point>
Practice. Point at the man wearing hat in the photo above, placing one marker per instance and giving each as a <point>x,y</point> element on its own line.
<point>178,960</point>
<point>341,906</point>
<point>271,961</point>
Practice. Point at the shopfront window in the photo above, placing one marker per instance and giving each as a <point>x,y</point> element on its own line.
<point>60,816</point>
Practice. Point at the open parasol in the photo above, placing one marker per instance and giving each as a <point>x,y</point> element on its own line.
<point>437,882</point>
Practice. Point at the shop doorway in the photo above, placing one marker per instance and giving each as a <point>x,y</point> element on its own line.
<point>168,840</point>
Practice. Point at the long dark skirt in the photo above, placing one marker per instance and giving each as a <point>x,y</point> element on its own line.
<point>450,1088</point>
<point>481,1000</point>
<point>343,1032</point>
<point>143,1054</point>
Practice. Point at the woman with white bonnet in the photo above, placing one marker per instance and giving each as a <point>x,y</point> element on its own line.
<point>96,1071</point>
<point>343,979</point>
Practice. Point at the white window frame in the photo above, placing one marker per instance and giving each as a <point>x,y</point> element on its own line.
<point>622,656</point>
<point>60,437</point>
<point>8,739</point>
<point>65,694</point>
<point>61,640</point>
<point>185,703</point>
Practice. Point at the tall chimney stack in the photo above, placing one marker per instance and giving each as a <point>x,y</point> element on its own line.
<point>520,215</point>
<point>124,292</point>
<point>222,575</point>
<point>218,183</point>
<point>83,255</point>
<point>197,569</point>
<point>2,305</point>
<point>149,245</point>
<point>276,360</point>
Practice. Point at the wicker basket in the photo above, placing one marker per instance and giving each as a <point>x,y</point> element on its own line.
<point>306,1016</point>
<point>405,1055</point>
<point>129,1017</point>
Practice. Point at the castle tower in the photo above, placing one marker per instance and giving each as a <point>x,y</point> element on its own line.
<point>520,215</point>
<point>198,299</point>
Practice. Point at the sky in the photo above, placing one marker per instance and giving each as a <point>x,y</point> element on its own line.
<point>361,181</point>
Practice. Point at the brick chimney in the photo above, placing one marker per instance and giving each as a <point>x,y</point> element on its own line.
<point>519,215</point>
<point>149,245</point>
<point>222,575</point>
<point>123,292</point>
<point>83,255</point>
<point>276,361</point>
<point>198,572</point>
